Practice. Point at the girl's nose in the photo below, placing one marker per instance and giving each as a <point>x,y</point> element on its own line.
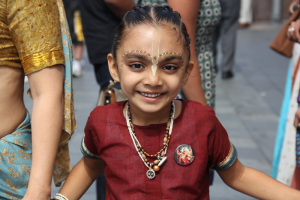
<point>151,80</point>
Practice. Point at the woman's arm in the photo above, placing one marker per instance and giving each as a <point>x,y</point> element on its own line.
<point>256,184</point>
<point>120,7</point>
<point>294,34</point>
<point>81,177</point>
<point>297,118</point>
<point>189,13</point>
<point>46,124</point>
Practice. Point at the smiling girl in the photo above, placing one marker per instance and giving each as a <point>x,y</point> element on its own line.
<point>152,146</point>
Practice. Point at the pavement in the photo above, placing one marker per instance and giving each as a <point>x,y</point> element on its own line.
<point>248,105</point>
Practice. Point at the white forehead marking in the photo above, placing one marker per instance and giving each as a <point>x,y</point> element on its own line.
<point>155,58</point>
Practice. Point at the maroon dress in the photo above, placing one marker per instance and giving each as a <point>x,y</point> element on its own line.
<point>107,137</point>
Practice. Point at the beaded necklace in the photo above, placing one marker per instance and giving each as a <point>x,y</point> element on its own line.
<point>160,155</point>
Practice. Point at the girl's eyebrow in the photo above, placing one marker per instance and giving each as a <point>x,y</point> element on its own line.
<point>137,56</point>
<point>163,58</point>
<point>170,58</point>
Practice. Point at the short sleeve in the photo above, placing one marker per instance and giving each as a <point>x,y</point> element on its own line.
<point>34,26</point>
<point>222,153</point>
<point>89,142</point>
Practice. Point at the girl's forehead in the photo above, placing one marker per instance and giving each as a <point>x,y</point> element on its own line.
<point>153,39</point>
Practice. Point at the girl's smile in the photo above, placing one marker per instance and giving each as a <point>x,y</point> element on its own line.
<point>151,97</point>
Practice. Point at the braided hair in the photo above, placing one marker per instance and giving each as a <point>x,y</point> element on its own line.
<point>152,15</point>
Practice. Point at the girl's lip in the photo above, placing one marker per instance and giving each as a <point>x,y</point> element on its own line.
<point>150,98</point>
<point>151,94</point>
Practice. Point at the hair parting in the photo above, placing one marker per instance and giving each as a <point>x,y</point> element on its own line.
<point>152,15</point>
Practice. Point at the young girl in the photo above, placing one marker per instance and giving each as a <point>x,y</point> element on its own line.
<point>152,146</point>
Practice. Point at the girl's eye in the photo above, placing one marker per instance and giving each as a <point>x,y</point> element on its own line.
<point>170,68</point>
<point>136,66</point>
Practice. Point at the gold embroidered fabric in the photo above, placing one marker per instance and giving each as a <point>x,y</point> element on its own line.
<point>228,161</point>
<point>15,161</point>
<point>38,61</point>
<point>29,27</point>
<point>228,157</point>
<point>86,152</point>
<point>31,33</point>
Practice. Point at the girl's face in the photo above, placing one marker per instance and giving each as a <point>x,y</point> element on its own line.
<point>147,89</point>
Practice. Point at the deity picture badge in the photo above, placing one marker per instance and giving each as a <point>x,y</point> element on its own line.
<point>184,154</point>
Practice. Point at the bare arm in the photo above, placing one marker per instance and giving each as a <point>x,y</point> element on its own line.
<point>189,13</point>
<point>46,124</point>
<point>120,7</point>
<point>256,184</point>
<point>294,35</point>
<point>81,177</point>
<point>297,118</point>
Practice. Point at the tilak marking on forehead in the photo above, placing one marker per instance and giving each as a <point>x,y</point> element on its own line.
<point>155,60</point>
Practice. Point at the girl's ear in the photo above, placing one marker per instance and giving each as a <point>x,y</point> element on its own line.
<point>187,73</point>
<point>113,67</point>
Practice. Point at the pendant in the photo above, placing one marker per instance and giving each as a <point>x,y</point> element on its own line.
<point>162,161</point>
<point>184,154</point>
<point>150,173</point>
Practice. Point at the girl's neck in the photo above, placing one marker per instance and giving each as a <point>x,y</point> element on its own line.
<point>145,119</point>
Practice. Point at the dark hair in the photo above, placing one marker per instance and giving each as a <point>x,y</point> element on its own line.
<point>152,15</point>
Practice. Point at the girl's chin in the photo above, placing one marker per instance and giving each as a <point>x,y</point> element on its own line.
<point>152,106</point>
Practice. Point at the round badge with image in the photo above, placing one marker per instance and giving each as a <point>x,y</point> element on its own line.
<point>184,154</point>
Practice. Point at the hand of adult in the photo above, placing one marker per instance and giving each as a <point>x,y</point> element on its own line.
<point>297,118</point>
<point>120,7</point>
<point>294,31</point>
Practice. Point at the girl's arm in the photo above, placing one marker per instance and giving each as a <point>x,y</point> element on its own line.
<point>256,184</point>
<point>189,13</point>
<point>81,177</point>
<point>46,125</point>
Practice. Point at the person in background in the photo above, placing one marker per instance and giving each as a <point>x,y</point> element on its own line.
<point>288,134</point>
<point>74,21</point>
<point>32,150</point>
<point>226,31</point>
<point>100,20</point>
<point>245,13</point>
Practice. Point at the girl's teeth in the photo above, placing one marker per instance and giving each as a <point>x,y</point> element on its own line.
<point>150,95</point>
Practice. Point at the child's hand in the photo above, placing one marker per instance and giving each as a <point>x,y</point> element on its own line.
<point>297,118</point>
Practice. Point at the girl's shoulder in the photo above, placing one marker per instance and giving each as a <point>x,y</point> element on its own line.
<point>192,110</point>
<point>194,106</point>
<point>109,111</point>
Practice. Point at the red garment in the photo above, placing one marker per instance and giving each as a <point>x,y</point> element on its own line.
<point>107,136</point>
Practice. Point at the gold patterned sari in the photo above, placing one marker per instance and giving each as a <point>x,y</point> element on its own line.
<point>34,34</point>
